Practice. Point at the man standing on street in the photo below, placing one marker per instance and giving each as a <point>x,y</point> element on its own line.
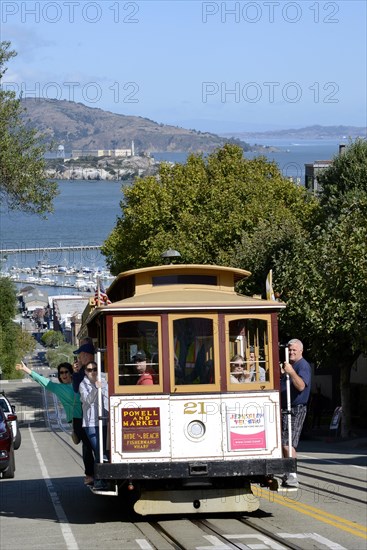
<point>299,372</point>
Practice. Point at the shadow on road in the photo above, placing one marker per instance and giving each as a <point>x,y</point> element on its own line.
<point>31,499</point>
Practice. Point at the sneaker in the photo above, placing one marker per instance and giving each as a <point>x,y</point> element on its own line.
<point>100,485</point>
<point>75,438</point>
<point>88,480</point>
<point>290,480</point>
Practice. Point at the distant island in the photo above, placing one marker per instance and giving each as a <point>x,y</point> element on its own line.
<point>309,132</point>
<point>101,168</point>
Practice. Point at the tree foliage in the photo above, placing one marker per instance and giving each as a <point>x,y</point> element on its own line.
<point>225,209</point>
<point>52,339</point>
<point>23,185</point>
<point>212,210</point>
<point>322,276</point>
<point>62,354</point>
<point>14,343</point>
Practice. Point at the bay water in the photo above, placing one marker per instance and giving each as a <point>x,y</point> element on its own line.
<point>291,156</point>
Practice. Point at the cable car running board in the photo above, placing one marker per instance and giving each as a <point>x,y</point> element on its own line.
<point>111,492</point>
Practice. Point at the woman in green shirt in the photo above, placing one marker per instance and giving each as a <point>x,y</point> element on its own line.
<point>73,408</point>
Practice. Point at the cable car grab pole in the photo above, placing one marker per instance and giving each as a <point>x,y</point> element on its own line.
<point>100,408</point>
<point>289,406</point>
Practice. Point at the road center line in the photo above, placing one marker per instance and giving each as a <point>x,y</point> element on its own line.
<point>67,533</point>
<point>316,513</point>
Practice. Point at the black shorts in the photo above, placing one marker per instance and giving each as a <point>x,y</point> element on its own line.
<point>298,415</point>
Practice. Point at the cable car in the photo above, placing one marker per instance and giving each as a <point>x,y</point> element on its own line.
<point>189,431</point>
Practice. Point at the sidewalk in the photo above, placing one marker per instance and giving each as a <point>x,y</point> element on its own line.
<point>331,438</point>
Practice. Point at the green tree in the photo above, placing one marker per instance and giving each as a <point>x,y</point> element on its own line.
<point>322,276</point>
<point>23,185</point>
<point>61,354</point>
<point>14,344</point>
<point>206,209</point>
<point>52,339</point>
<point>228,210</point>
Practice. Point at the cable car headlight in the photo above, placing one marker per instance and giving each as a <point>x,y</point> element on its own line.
<point>195,429</point>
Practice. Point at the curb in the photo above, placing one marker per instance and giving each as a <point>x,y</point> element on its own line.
<point>16,381</point>
<point>338,443</point>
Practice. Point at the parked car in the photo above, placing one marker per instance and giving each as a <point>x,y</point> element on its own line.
<point>7,459</point>
<point>9,411</point>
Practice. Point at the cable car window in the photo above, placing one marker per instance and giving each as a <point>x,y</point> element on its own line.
<point>138,356</point>
<point>248,350</point>
<point>184,280</point>
<point>193,351</point>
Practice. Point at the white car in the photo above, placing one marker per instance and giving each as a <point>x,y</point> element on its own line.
<point>9,411</point>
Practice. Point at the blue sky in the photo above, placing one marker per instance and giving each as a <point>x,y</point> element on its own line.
<point>216,66</point>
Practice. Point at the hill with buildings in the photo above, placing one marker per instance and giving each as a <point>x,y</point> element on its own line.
<point>76,126</point>
<point>101,168</point>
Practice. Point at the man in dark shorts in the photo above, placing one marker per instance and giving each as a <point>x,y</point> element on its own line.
<point>299,372</point>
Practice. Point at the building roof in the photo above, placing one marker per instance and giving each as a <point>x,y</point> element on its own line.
<point>69,306</point>
<point>35,296</point>
<point>26,290</point>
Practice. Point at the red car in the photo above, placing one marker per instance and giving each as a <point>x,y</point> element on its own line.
<point>7,460</point>
<point>10,415</point>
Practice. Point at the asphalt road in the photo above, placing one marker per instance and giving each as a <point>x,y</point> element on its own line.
<point>47,505</point>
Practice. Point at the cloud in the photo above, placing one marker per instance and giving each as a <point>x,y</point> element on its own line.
<point>26,41</point>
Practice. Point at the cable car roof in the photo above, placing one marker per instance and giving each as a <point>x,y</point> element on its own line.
<point>181,297</point>
<point>180,287</point>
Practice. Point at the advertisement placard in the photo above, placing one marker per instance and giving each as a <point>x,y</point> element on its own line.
<point>246,430</point>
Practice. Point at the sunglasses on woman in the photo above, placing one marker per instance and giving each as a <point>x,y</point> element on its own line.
<point>94,369</point>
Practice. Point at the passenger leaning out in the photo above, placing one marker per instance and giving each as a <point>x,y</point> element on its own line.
<point>88,390</point>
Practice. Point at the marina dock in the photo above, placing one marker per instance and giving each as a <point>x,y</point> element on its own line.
<point>46,250</point>
<point>80,279</point>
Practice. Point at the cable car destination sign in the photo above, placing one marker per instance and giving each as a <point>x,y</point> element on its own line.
<point>141,429</point>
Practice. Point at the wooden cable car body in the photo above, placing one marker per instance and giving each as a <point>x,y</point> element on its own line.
<point>193,438</point>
